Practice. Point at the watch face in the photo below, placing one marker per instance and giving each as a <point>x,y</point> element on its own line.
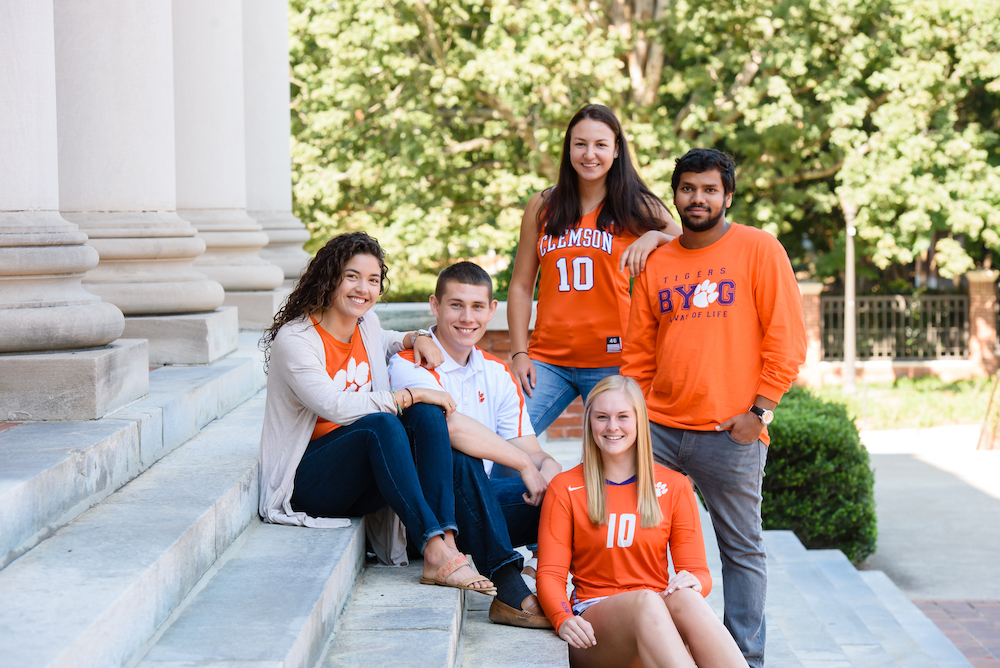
<point>767,417</point>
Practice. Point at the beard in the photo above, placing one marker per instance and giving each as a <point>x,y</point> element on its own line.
<point>704,225</point>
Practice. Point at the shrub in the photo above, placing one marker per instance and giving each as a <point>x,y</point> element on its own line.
<point>818,481</point>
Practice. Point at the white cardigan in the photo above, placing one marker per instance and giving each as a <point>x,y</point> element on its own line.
<point>299,389</point>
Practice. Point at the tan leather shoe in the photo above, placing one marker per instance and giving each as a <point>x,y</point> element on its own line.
<point>501,613</point>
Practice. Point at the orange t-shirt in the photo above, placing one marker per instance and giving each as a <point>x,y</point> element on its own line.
<point>347,364</point>
<point>583,300</point>
<point>621,556</point>
<point>711,328</point>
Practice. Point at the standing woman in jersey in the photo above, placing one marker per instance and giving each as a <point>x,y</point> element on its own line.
<point>337,442</point>
<point>610,521</point>
<point>599,219</point>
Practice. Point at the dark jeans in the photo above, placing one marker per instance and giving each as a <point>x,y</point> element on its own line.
<point>405,462</point>
<point>492,516</point>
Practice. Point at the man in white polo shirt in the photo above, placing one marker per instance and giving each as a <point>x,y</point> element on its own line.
<point>490,425</point>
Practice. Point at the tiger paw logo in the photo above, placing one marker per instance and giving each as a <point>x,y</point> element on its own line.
<point>705,294</point>
<point>355,378</point>
<point>661,489</point>
<point>482,397</point>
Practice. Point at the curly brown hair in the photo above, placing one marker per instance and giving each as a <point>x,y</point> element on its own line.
<point>321,279</point>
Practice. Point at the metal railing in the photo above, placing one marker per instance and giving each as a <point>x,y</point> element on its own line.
<point>899,327</point>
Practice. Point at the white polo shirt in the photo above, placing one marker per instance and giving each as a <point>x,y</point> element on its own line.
<point>484,390</point>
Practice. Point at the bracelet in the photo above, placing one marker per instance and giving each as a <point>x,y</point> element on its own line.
<point>399,409</point>
<point>412,400</point>
<point>519,352</point>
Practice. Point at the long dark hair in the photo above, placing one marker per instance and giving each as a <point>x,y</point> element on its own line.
<point>628,204</point>
<point>321,279</point>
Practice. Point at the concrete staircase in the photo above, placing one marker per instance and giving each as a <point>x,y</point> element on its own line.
<point>134,541</point>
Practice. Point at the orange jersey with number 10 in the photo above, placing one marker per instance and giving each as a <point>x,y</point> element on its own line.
<point>583,301</point>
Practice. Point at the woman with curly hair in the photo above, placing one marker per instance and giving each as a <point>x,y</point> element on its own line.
<point>611,522</point>
<point>337,442</point>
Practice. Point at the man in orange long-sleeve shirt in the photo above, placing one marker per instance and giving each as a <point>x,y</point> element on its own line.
<point>715,338</point>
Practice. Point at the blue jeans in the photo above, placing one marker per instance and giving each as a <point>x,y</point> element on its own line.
<point>405,462</point>
<point>556,387</point>
<point>729,474</point>
<point>492,516</point>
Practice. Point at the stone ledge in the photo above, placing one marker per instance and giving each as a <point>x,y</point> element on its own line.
<point>256,309</point>
<point>190,338</point>
<point>73,385</point>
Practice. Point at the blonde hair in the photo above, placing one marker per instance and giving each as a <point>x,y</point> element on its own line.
<point>593,463</point>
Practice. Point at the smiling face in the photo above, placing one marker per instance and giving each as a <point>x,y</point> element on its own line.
<point>462,314</point>
<point>613,423</point>
<point>592,149</point>
<point>359,288</point>
<point>701,200</point>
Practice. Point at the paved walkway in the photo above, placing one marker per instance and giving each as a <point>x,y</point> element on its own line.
<point>938,503</point>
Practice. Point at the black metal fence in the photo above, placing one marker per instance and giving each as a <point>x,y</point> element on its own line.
<point>899,327</point>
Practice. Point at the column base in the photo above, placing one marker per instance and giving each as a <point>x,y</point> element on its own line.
<point>77,385</point>
<point>257,308</point>
<point>191,338</point>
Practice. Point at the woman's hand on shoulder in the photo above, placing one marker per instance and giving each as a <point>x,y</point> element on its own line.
<point>578,633</point>
<point>426,352</point>
<point>634,257</point>
<point>681,580</point>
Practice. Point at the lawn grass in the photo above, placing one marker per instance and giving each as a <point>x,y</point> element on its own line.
<point>924,402</point>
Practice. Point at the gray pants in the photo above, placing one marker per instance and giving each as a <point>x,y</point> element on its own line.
<point>729,475</point>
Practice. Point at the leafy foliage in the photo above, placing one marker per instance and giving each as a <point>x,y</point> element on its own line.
<point>431,122</point>
<point>818,481</point>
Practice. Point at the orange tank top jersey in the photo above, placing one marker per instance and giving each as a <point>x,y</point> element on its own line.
<point>622,555</point>
<point>347,364</point>
<point>583,301</point>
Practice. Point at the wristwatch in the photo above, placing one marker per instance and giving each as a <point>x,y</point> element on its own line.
<point>421,332</point>
<point>766,416</point>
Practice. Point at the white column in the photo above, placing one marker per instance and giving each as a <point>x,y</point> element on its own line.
<point>114,83</point>
<point>268,129</point>
<point>43,306</point>
<point>211,156</point>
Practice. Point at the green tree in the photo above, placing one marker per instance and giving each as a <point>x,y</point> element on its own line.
<point>430,122</point>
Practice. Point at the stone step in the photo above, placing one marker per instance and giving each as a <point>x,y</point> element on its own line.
<point>841,623</point>
<point>806,634</point>
<point>778,652</point>
<point>923,631</point>
<point>54,471</point>
<point>498,646</point>
<point>851,590</point>
<point>271,601</point>
<point>393,620</point>
<point>95,592</point>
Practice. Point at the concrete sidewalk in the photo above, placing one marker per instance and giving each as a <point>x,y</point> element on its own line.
<point>938,505</point>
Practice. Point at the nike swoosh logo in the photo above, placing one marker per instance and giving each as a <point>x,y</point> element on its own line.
<point>573,489</point>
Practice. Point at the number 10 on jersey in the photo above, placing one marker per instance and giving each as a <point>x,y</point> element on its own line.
<point>626,529</point>
<point>583,273</point>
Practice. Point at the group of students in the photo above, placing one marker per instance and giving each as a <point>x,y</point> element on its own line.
<point>432,440</point>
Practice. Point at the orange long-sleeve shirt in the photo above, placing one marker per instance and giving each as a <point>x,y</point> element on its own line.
<point>621,556</point>
<point>712,328</point>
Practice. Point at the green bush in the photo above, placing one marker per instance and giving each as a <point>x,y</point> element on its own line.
<point>818,481</point>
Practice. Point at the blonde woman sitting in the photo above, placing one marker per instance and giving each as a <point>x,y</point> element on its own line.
<point>610,521</point>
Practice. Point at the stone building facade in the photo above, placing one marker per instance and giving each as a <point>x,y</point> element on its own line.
<point>145,193</point>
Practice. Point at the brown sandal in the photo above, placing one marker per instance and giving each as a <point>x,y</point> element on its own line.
<point>452,565</point>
